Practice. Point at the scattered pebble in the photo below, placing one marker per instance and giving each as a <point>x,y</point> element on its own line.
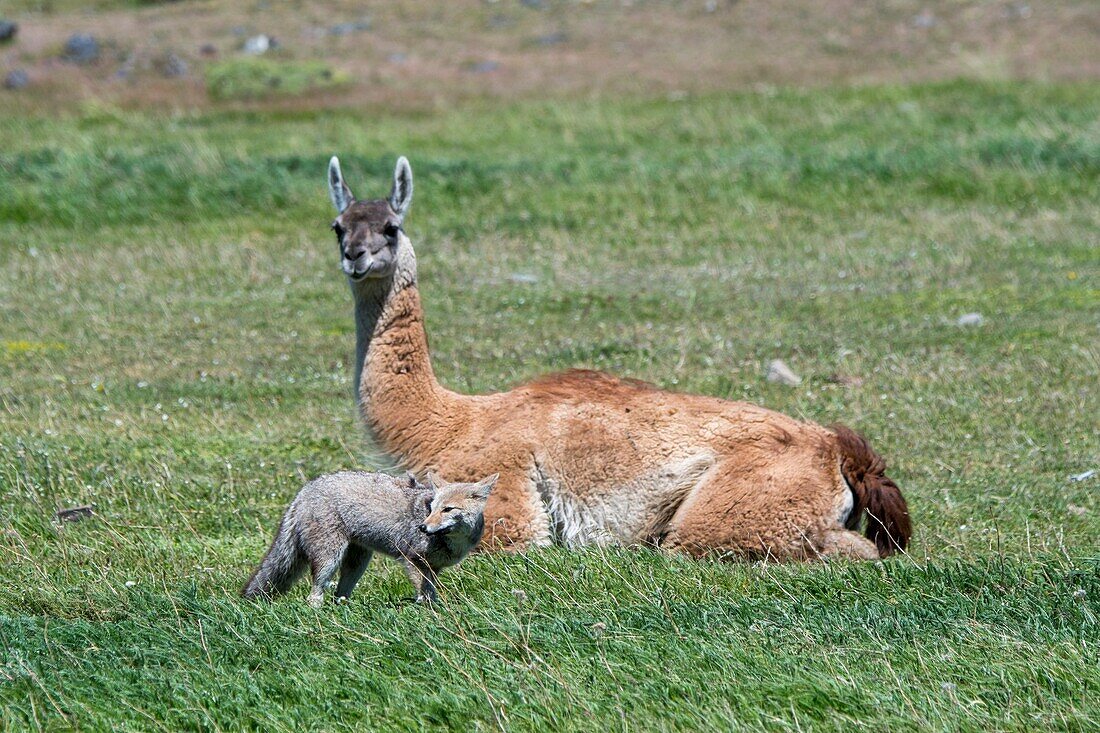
<point>8,29</point>
<point>523,277</point>
<point>924,19</point>
<point>551,39</point>
<point>258,45</point>
<point>778,371</point>
<point>346,29</point>
<point>484,67</point>
<point>845,380</point>
<point>1083,476</point>
<point>74,514</point>
<point>81,48</point>
<point>970,319</point>
<point>130,583</point>
<point>208,49</point>
<point>172,66</point>
<point>17,79</point>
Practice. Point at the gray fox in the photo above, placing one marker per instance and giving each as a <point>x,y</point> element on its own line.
<point>337,521</point>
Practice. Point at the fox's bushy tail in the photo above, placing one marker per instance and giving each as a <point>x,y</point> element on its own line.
<point>875,493</point>
<point>282,565</point>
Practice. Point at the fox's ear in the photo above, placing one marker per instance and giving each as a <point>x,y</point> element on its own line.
<point>484,487</point>
<point>338,191</point>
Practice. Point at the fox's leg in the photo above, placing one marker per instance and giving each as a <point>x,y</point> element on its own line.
<point>355,563</point>
<point>324,562</point>
<point>423,579</point>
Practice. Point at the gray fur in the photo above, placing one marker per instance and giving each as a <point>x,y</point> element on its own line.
<point>337,521</point>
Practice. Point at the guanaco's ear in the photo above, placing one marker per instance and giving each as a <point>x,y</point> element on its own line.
<point>434,482</point>
<point>337,189</point>
<point>402,194</point>
<point>482,488</point>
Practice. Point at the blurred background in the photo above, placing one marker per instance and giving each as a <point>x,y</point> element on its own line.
<point>421,54</point>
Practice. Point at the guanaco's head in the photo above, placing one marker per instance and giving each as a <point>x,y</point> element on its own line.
<point>369,232</point>
<point>457,508</point>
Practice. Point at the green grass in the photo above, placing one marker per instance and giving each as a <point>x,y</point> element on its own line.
<point>176,349</point>
<point>256,78</point>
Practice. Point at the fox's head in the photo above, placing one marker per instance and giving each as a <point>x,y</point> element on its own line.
<point>456,508</point>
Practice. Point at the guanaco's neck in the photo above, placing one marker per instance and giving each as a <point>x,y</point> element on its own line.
<point>408,413</point>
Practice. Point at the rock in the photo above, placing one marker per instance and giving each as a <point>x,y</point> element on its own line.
<point>551,39</point>
<point>970,319</point>
<point>533,4</point>
<point>1083,476</point>
<point>525,278</point>
<point>484,67</point>
<point>257,45</point>
<point>346,29</point>
<point>172,66</point>
<point>74,514</point>
<point>845,380</point>
<point>208,49</point>
<point>17,79</point>
<point>8,29</point>
<point>925,19</point>
<point>779,372</point>
<point>81,48</point>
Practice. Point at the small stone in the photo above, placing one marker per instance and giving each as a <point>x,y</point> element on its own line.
<point>397,58</point>
<point>81,48</point>
<point>484,67</point>
<point>74,514</point>
<point>925,19</point>
<point>533,4</point>
<point>551,39</point>
<point>970,319</point>
<point>208,49</point>
<point>257,45</point>
<point>778,371</point>
<point>346,29</point>
<point>1083,476</point>
<point>17,79</point>
<point>524,278</point>
<point>8,29</point>
<point>130,583</point>
<point>172,66</point>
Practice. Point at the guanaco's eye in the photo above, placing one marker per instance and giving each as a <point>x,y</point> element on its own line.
<point>391,230</point>
<point>338,229</point>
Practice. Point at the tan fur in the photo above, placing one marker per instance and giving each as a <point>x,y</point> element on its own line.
<point>586,457</point>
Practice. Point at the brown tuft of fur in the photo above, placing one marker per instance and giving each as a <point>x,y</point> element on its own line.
<point>875,493</point>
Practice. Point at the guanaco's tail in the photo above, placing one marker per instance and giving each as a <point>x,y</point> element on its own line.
<point>876,494</point>
<point>282,565</point>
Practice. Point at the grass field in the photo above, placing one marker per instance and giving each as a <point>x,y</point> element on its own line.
<point>176,350</point>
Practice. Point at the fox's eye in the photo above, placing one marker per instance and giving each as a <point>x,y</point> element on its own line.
<point>449,509</point>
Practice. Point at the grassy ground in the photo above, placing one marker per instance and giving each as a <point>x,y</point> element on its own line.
<point>176,345</point>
